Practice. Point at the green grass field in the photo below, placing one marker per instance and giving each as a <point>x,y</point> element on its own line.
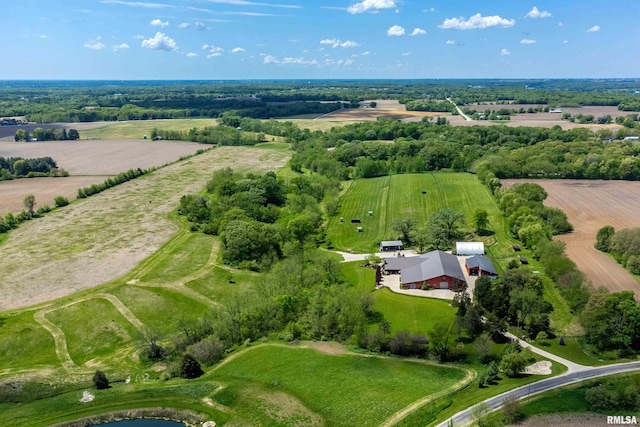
<point>376,387</point>
<point>400,196</point>
<point>93,328</point>
<point>415,314</point>
<point>24,343</point>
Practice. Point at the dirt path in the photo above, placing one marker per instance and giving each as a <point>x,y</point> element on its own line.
<point>590,205</point>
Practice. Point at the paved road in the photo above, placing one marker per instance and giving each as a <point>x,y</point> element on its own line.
<point>464,417</point>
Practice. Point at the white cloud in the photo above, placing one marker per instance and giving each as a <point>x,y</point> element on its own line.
<point>268,59</point>
<point>138,4</point>
<point>339,62</point>
<point>407,53</point>
<point>120,47</point>
<point>431,9</point>
<point>191,55</point>
<point>43,36</point>
<point>138,37</point>
<point>418,32</point>
<point>396,31</point>
<point>527,41</point>
<point>183,25</point>
<point>451,42</point>
<point>94,44</point>
<point>202,27</point>
<point>477,21</point>
<point>213,51</point>
<point>237,50</point>
<point>535,13</point>
<point>594,29</point>
<point>160,42</point>
<point>505,52</point>
<point>339,43</point>
<point>159,23</point>
<point>371,6</point>
<point>565,41</point>
<point>299,61</point>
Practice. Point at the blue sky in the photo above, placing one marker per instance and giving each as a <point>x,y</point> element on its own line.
<point>326,39</point>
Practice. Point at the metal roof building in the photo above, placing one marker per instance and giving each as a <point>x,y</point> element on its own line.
<point>469,248</point>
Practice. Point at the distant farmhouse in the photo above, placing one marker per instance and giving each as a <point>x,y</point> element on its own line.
<point>435,270</point>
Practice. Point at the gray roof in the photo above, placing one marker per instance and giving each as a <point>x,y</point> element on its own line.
<point>398,263</point>
<point>391,243</point>
<point>433,264</point>
<point>484,263</point>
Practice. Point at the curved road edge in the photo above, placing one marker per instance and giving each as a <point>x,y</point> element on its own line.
<point>464,417</point>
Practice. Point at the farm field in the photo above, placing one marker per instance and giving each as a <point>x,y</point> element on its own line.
<point>44,189</point>
<point>136,129</point>
<point>386,108</point>
<point>108,234</point>
<point>102,157</point>
<point>590,205</point>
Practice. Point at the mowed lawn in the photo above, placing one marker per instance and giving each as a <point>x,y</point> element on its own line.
<point>400,196</point>
<point>415,314</point>
<point>345,390</point>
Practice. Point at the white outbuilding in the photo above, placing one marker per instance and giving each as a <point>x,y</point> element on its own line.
<point>469,248</point>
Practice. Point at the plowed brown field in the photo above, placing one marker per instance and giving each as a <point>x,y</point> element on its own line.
<point>590,205</point>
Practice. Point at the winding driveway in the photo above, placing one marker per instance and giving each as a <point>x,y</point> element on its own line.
<point>575,373</point>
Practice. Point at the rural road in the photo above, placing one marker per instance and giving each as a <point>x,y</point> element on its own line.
<point>467,118</point>
<point>574,374</point>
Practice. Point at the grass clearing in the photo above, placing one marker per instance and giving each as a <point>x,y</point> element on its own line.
<point>220,284</point>
<point>371,394</point>
<point>35,345</point>
<point>415,314</point>
<point>159,308</point>
<point>93,328</point>
<point>178,262</point>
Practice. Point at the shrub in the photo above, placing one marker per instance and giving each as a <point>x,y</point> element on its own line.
<point>189,367</point>
<point>208,351</point>
<point>61,201</point>
<point>100,380</point>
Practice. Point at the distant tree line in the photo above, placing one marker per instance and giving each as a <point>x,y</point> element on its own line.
<point>47,135</point>
<point>18,167</point>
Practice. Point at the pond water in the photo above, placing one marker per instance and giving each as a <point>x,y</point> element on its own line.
<point>142,423</point>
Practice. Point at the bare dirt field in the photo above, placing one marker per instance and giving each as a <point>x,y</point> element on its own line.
<point>102,157</point>
<point>44,189</point>
<point>101,238</point>
<point>385,108</point>
<point>590,205</point>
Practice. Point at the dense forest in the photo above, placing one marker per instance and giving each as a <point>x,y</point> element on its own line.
<point>45,102</point>
<point>389,146</point>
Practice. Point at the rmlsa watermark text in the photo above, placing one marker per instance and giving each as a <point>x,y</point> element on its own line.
<point>622,420</point>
